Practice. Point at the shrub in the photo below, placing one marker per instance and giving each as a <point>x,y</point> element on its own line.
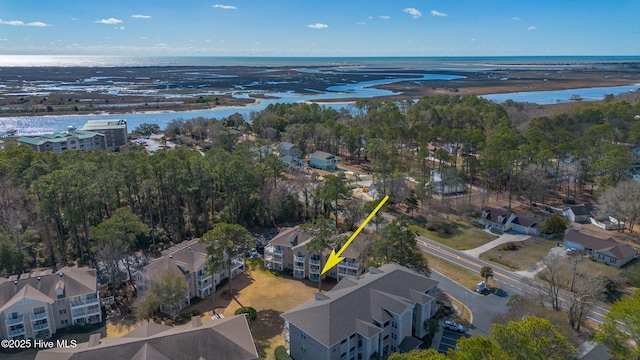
<point>196,312</point>
<point>168,322</point>
<point>281,353</point>
<point>251,312</point>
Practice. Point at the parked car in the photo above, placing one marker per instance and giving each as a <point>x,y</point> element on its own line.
<point>453,326</point>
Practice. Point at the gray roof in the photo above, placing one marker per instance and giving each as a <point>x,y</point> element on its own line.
<point>285,146</point>
<point>290,237</point>
<point>188,256</point>
<point>581,209</point>
<point>105,124</point>
<point>344,309</point>
<point>494,213</point>
<point>322,155</point>
<point>525,221</point>
<point>228,338</point>
<point>42,285</point>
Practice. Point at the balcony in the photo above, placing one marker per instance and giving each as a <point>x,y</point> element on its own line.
<point>16,320</point>
<point>298,267</point>
<point>93,310</point>
<point>349,264</point>
<point>276,259</point>
<point>313,261</point>
<point>298,258</point>
<point>38,316</point>
<point>272,250</point>
<point>16,332</point>
<point>40,327</point>
<point>203,277</point>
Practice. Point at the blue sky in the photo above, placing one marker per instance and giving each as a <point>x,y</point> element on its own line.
<point>320,28</point>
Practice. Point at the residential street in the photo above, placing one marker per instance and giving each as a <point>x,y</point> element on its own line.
<point>510,282</point>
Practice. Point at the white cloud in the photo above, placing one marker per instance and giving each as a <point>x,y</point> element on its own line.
<point>415,13</point>
<point>472,39</point>
<point>360,23</point>
<point>515,18</point>
<point>137,16</point>
<point>143,37</point>
<point>318,26</point>
<point>119,28</point>
<point>22,23</point>
<point>385,17</point>
<point>3,39</point>
<point>225,7</point>
<point>532,28</point>
<point>437,13</point>
<point>109,21</point>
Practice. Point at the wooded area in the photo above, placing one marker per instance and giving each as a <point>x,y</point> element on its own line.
<point>52,206</point>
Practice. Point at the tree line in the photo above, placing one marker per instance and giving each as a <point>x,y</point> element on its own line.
<point>49,202</point>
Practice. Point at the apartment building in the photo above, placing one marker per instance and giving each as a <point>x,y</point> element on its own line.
<point>115,131</point>
<point>72,139</point>
<point>288,252</point>
<point>36,305</point>
<point>373,316</point>
<point>228,338</point>
<point>190,258</point>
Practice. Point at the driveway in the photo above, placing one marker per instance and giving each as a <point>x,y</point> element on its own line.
<point>502,239</point>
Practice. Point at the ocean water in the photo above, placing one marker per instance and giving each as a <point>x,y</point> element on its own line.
<point>422,63</point>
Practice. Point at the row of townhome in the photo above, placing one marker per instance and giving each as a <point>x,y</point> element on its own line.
<point>36,305</point>
<point>380,313</point>
<point>190,258</point>
<point>288,252</point>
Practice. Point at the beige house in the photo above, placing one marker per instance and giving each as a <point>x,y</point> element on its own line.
<point>190,258</point>
<point>36,305</point>
<point>288,252</point>
<point>115,131</point>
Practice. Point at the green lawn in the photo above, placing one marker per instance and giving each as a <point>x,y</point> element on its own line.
<point>463,235</point>
<point>467,278</point>
<point>529,252</point>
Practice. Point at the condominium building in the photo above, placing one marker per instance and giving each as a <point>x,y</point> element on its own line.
<point>36,305</point>
<point>380,313</point>
<point>115,131</point>
<point>190,258</point>
<point>288,252</point>
<point>72,139</point>
<point>228,338</point>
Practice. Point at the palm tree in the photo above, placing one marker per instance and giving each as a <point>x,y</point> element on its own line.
<point>486,272</point>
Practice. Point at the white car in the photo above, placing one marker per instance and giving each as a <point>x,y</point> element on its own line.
<point>453,326</point>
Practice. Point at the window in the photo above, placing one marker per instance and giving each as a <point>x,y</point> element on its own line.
<point>394,336</point>
<point>612,260</point>
<point>394,324</point>
<point>62,311</point>
<point>304,349</point>
<point>303,335</point>
<point>343,341</point>
<point>386,324</point>
<point>64,322</point>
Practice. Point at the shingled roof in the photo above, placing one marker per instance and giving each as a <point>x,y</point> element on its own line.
<point>42,285</point>
<point>227,338</point>
<point>346,309</point>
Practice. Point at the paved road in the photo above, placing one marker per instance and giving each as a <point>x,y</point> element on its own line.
<point>510,282</point>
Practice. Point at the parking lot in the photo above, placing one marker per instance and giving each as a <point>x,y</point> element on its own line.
<point>449,340</point>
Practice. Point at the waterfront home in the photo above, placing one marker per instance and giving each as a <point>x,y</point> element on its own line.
<point>115,131</point>
<point>72,139</point>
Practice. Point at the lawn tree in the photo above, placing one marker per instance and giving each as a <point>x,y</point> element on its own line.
<point>225,244</point>
<point>398,244</point>
<point>532,338</point>
<point>115,239</point>
<point>322,238</point>
<point>486,272</point>
<point>168,289</point>
<point>623,202</point>
<point>352,212</point>
<point>586,291</point>
<point>146,129</point>
<point>621,327</point>
<point>555,277</point>
<point>146,305</point>
<point>377,219</point>
<point>555,225</point>
<point>333,190</point>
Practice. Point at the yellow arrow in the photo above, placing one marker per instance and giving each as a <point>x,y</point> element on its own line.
<point>335,258</point>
